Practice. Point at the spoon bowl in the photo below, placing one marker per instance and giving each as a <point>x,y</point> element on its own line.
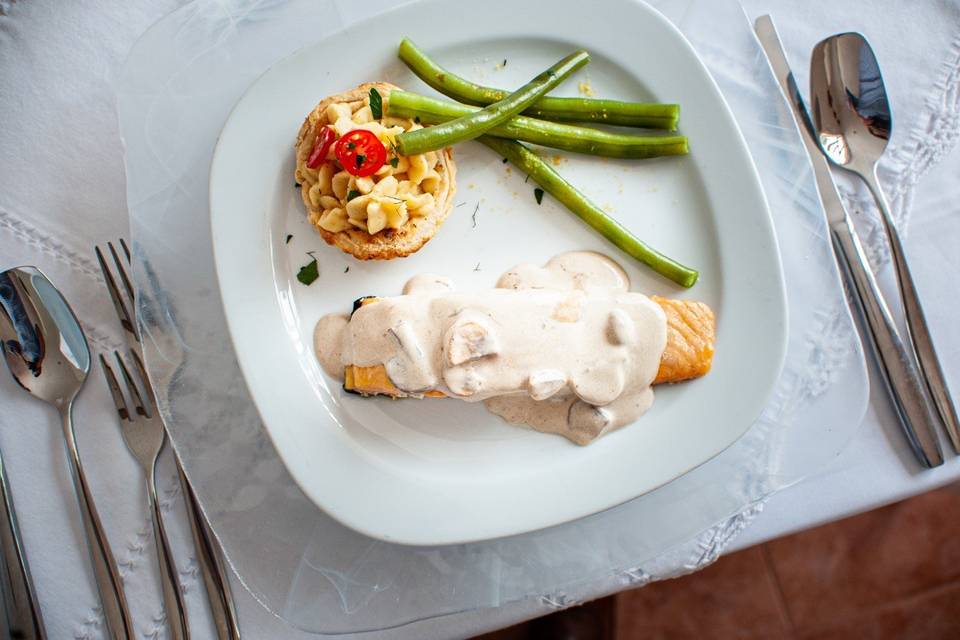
<point>43,343</point>
<point>851,111</point>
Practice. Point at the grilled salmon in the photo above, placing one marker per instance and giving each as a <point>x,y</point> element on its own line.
<point>691,335</point>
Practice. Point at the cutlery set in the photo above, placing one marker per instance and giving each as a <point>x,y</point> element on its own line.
<point>850,127</point>
<point>48,356</point>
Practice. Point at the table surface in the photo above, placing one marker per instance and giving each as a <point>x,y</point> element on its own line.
<point>59,94</point>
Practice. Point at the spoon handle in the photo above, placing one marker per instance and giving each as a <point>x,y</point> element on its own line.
<point>115,609</point>
<point>173,603</point>
<point>899,373</point>
<point>19,598</point>
<point>917,327</point>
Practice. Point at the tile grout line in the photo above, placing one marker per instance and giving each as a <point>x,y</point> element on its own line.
<point>781,598</point>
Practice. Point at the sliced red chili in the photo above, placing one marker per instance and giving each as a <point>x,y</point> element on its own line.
<point>321,144</point>
<point>360,152</point>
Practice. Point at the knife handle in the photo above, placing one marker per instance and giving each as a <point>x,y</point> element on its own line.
<point>897,367</point>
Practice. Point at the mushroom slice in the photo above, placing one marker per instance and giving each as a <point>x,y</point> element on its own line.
<point>544,383</point>
<point>469,339</point>
<point>587,421</point>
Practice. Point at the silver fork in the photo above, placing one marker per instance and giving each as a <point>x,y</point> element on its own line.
<point>144,435</point>
<point>212,565</point>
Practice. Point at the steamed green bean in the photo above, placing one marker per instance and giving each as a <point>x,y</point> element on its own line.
<point>615,112</point>
<point>403,104</point>
<point>551,182</point>
<point>470,126</point>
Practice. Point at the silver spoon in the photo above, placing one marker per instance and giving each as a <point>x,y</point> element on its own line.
<point>23,618</point>
<point>852,117</point>
<point>47,353</point>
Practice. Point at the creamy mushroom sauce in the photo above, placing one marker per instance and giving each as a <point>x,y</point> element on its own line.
<point>565,348</point>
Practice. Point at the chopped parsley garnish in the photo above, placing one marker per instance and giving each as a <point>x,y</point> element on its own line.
<point>394,162</point>
<point>346,269</point>
<point>376,103</point>
<point>538,194</point>
<point>309,272</point>
<point>360,159</point>
<point>504,62</point>
<point>351,145</point>
<point>416,119</point>
<point>353,193</point>
<point>289,237</point>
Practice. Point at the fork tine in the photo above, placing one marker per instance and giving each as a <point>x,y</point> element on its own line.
<point>118,399</point>
<point>145,379</point>
<point>122,313</point>
<point>131,386</point>
<point>123,272</point>
<point>126,249</point>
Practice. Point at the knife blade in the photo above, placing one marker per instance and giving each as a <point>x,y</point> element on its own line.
<point>900,373</point>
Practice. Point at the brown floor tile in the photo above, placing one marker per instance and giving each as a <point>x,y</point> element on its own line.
<point>591,621</point>
<point>734,598</point>
<point>932,615</point>
<point>841,569</point>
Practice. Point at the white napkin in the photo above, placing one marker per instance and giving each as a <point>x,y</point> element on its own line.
<point>63,191</point>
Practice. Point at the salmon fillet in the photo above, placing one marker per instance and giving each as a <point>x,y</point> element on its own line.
<point>691,334</point>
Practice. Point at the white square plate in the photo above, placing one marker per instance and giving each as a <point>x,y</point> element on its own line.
<point>443,471</point>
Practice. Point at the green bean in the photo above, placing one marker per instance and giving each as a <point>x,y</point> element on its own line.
<point>402,104</point>
<point>475,124</point>
<point>628,114</point>
<point>544,175</point>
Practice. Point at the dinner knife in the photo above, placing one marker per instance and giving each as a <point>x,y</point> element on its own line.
<point>900,373</point>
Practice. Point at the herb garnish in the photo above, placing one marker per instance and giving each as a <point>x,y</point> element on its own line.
<point>289,237</point>
<point>504,161</point>
<point>353,193</point>
<point>504,63</point>
<point>538,194</point>
<point>477,268</point>
<point>360,159</point>
<point>346,269</point>
<point>394,162</point>
<point>376,103</point>
<point>309,272</point>
<point>416,119</point>
<point>474,216</point>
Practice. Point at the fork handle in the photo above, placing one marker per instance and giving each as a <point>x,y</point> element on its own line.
<point>173,603</point>
<point>19,598</point>
<point>917,328</point>
<point>115,610</point>
<point>212,566</point>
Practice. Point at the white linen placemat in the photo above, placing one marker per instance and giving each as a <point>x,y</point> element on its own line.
<point>63,191</point>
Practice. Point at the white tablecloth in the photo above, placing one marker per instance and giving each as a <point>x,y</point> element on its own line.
<point>63,191</point>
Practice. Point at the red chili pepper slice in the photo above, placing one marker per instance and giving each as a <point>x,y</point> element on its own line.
<point>321,144</point>
<point>360,152</point>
